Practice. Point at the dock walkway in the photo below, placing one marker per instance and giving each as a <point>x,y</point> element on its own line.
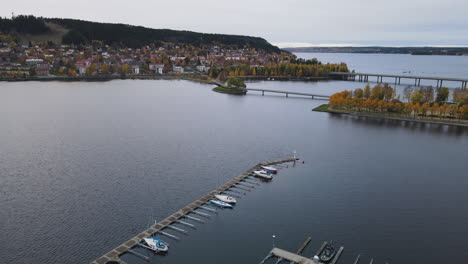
<point>113,255</point>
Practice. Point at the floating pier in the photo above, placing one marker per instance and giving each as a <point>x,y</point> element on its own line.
<point>114,255</point>
<point>284,255</point>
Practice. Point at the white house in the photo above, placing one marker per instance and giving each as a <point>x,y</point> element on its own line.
<point>135,68</point>
<point>178,69</point>
<point>203,68</point>
<point>157,68</point>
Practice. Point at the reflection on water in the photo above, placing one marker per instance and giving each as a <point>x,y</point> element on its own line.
<point>397,124</point>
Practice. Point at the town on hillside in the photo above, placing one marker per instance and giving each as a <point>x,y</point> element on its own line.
<point>42,60</point>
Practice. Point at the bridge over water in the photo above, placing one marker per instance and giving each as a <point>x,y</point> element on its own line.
<point>287,93</point>
<point>364,77</point>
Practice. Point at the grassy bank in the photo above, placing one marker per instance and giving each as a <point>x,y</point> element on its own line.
<point>394,116</point>
<point>321,108</point>
<point>229,90</point>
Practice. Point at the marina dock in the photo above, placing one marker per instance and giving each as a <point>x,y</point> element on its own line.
<point>113,256</point>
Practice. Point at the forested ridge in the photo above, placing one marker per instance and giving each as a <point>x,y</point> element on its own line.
<point>83,32</point>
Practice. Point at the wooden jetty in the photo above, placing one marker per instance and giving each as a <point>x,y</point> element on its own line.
<point>287,93</point>
<point>291,257</point>
<point>364,77</point>
<point>113,256</point>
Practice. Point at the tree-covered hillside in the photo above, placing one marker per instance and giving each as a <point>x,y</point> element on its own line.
<point>82,32</point>
<point>23,25</point>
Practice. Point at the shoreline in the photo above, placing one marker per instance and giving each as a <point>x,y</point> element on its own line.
<point>324,108</point>
<point>158,77</point>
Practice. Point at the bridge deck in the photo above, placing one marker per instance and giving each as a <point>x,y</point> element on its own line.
<point>115,253</point>
<point>398,76</point>
<point>288,92</point>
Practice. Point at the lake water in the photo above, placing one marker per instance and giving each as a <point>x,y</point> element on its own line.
<point>402,64</point>
<point>85,166</point>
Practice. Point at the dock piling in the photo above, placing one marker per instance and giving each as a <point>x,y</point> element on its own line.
<point>138,254</point>
<point>201,214</point>
<point>177,229</point>
<point>208,209</point>
<point>357,259</point>
<point>186,224</point>
<point>168,235</point>
<point>194,219</point>
<point>304,245</point>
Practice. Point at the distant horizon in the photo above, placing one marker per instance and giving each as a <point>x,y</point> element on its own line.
<point>281,45</point>
<point>390,24</point>
<point>340,45</point>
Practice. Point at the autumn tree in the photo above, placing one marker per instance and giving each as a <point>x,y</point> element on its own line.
<point>460,95</point>
<point>442,94</point>
<point>417,97</point>
<point>359,93</point>
<point>367,91</point>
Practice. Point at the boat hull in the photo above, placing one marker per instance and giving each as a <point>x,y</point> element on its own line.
<point>226,199</point>
<point>263,174</point>
<point>270,169</point>
<point>221,204</point>
<point>156,244</point>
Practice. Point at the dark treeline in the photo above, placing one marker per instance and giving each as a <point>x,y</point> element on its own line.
<point>83,32</point>
<point>24,25</point>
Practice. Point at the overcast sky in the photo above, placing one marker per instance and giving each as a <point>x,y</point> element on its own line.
<point>285,23</point>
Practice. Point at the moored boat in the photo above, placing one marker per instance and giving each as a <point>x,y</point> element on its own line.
<point>156,244</point>
<point>221,204</point>
<point>270,169</point>
<point>263,174</point>
<point>225,198</point>
<point>327,253</point>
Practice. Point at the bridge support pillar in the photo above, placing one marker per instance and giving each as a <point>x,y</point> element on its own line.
<point>286,94</point>
<point>396,80</point>
<point>440,85</point>
<point>399,80</point>
<point>263,93</point>
<point>312,97</point>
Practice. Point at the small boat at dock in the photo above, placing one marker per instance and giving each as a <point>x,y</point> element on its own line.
<point>225,198</point>
<point>221,204</point>
<point>327,253</point>
<point>156,244</point>
<point>270,169</point>
<point>263,174</point>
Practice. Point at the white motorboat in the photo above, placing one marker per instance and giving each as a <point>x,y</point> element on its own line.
<point>263,174</point>
<point>270,169</point>
<point>156,244</point>
<point>225,198</point>
<point>221,204</point>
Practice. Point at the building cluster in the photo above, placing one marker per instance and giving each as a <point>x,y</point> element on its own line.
<point>97,59</point>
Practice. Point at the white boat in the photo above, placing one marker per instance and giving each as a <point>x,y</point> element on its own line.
<point>156,244</point>
<point>221,204</point>
<point>225,198</point>
<point>263,174</point>
<point>271,169</point>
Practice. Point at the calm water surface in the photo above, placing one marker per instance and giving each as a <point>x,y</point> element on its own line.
<point>402,64</point>
<point>85,166</point>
